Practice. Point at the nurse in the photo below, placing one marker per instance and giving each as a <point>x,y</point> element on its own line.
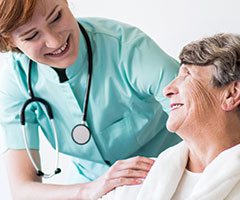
<point>57,58</point>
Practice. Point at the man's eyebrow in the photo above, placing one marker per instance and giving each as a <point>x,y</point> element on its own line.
<point>50,14</point>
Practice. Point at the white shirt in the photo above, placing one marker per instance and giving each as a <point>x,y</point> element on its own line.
<point>220,180</point>
<point>186,185</point>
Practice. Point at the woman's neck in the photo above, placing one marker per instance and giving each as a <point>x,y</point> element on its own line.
<point>208,143</point>
<point>198,160</point>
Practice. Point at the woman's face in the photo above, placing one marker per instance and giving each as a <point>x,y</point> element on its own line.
<point>193,99</point>
<point>51,36</point>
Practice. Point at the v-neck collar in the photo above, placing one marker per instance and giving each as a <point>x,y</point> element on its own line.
<point>74,69</point>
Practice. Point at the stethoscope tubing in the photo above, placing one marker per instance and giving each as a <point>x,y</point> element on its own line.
<point>50,113</point>
<point>89,79</point>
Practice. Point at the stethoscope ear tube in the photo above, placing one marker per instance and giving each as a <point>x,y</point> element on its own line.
<point>33,99</point>
<point>38,171</point>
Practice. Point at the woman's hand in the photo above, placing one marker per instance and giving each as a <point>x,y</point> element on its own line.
<point>124,172</point>
<point>25,184</point>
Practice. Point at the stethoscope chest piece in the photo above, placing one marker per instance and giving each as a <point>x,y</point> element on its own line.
<point>81,134</point>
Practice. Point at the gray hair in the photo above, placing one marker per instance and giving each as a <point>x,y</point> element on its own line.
<point>221,50</point>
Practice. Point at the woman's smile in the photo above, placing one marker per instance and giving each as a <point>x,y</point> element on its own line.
<point>62,50</point>
<point>175,106</point>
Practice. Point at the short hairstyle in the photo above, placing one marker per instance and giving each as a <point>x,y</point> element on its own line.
<point>13,14</point>
<point>221,50</point>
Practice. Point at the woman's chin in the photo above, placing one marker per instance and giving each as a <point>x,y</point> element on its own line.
<point>171,127</point>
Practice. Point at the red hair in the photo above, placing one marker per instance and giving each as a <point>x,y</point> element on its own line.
<point>13,14</point>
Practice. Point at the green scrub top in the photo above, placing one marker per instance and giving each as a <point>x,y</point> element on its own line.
<point>126,111</point>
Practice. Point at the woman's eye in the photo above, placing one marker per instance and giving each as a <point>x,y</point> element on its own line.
<point>57,17</point>
<point>186,73</point>
<point>31,37</point>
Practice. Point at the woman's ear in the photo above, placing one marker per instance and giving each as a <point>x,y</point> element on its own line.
<point>232,97</point>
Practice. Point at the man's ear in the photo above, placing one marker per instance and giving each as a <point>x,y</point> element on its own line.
<point>232,97</point>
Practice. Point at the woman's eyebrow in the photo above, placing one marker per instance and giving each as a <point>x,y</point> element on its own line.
<point>32,29</point>
<point>26,32</point>
<point>50,14</point>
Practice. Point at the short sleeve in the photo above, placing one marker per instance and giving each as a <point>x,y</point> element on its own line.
<point>12,96</point>
<point>148,68</point>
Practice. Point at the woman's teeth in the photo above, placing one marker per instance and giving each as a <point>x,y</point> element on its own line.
<point>176,106</point>
<point>60,50</point>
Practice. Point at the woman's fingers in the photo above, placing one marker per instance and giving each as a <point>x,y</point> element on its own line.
<point>121,181</point>
<point>138,163</point>
<point>136,167</point>
<point>131,171</point>
<point>128,173</point>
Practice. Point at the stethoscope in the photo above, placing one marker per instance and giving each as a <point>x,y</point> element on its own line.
<point>80,133</point>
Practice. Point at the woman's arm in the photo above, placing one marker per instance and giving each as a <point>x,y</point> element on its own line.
<point>25,184</point>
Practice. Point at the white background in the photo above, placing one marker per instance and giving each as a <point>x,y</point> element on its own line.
<point>171,23</point>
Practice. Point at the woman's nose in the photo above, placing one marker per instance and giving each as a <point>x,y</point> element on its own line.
<point>170,90</point>
<point>53,39</point>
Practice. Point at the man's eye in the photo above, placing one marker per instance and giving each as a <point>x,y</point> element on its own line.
<point>31,37</point>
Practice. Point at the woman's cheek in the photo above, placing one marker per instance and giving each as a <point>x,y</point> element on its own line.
<point>203,102</point>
